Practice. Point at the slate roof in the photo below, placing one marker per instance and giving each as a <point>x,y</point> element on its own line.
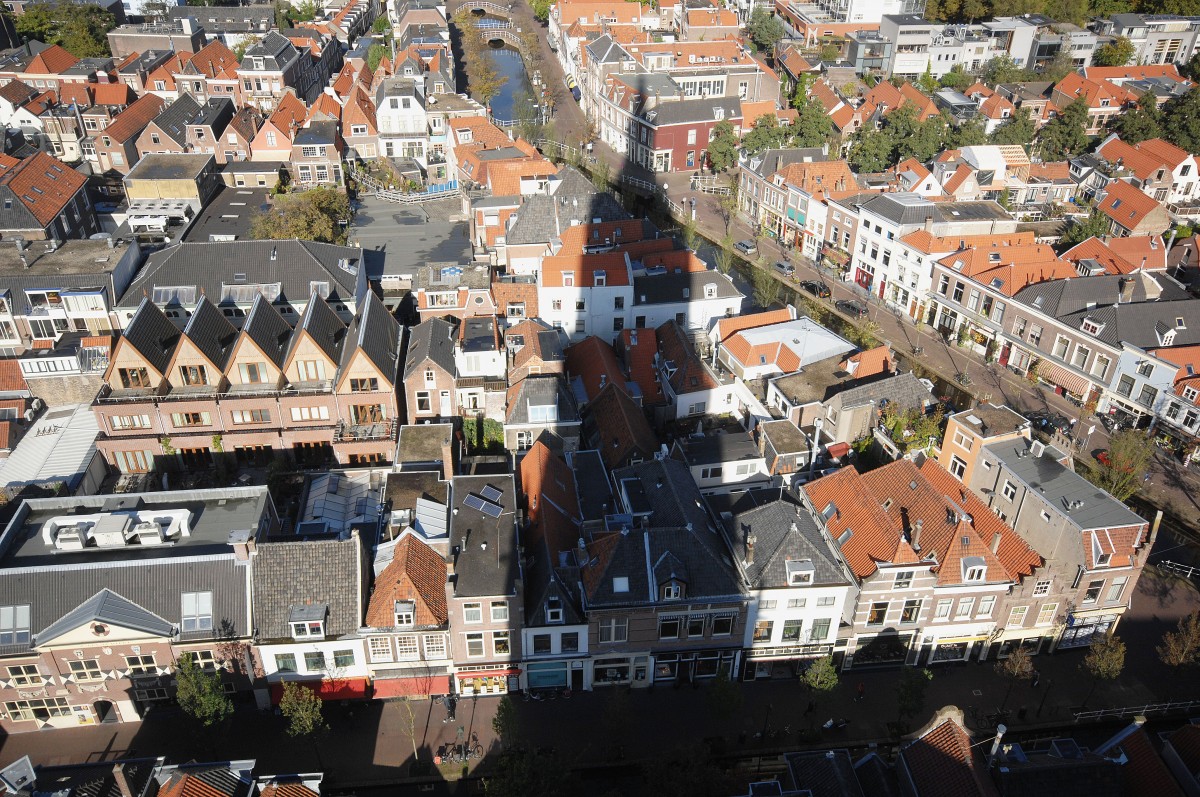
<point>904,389</point>
<point>1059,298</point>
<point>911,209</point>
<point>828,773</point>
<point>430,341</point>
<point>695,110</point>
<point>152,335</point>
<point>541,391</point>
<point>324,327</point>
<point>486,563</point>
<point>308,573</point>
<point>554,517</point>
<point>40,186</point>
<point>275,50</point>
<point>617,427</point>
<point>212,265</point>
<point>416,573</point>
<point>316,133</point>
<point>783,531</point>
<point>542,218</point>
<point>1143,323</point>
<point>211,332</point>
<point>93,779</point>
<point>376,333</point>
<point>670,287</point>
<point>109,608</point>
<point>174,120</point>
<point>268,330</point>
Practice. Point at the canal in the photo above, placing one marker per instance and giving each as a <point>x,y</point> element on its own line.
<point>516,95</point>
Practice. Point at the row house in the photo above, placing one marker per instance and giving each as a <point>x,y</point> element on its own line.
<point>430,373</point>
<point>277,64</point>
<point>210,73</point>
<point>1093,546</point>
<point>1130,211</point>
<point>167,132</point>
<point>52,289</point>
<point>401,119</point>
<point>84,109</point>
<point>1105,100</point>
<point>44,70</point>
<point>44,199</point>
<point>1159,40</point>
<point>316,155</point>
<point>322,391</point>
<point>802,593</point>
<point>1162,170</point>
<point>536,405</point>
<point>135,70</point>
<point>230,25</point>
<point>452,291</point>
<point>273,139</point>
<point>931,566</point>
<point>783,192</point>
<point>114,147</point>
<point>103,644</point>
<point>309,601</point>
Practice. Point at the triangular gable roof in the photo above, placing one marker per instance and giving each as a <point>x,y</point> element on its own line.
<point>376,333</point>
<point>211,333</point>
<point>267,330</point>
<point>152,336</point>
<point>54,60</point>
<point>416,573</point>
<point>109,608</point>
<point>321,324</point>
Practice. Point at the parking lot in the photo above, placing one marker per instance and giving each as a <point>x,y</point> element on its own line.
<point>433,232</point>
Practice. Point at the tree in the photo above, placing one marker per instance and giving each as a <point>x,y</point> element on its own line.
<point>506,723</point>
<point>1116,53</point>
<point>724,696</point>
<point>1073,11</point>
<point>483,79</point>
<point>812,127</point>
<point>687,772</point>
<point>1059,67</point>
<point>927,82</point>
<point>871,151</point>
<point>910,693</point>
<point>821,678</point>
<point>800,96</point>
<point>541,10</point>
<point>687,231</point>
<point>519,773</point>
<point>301,708</point>
<point>722,150</point>
<point>765,30</point>
<point>956,78</point>
<point>375,54</point>
<point>1002,69</point>
<point>318,214</point>
<point>1142,122</point>
<point>1018,130</point>
<point>1181,647</point>
<point>1181,121</point>
<point>766,287</point>
<point>967,134</point>
<point>1128,456</point>
<point>723,254</point>
<point>1104,661</point>
<point>199,693</point>
<point>767,134</point>
<point>1096,225</point>
<point>80,29</point>
<point>1065,134</point>
<point>830,52</point>
<point>1017,666</point>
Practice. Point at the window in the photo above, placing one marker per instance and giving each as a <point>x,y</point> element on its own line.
<point>1035,334</point>
<point>1145,369</point>
<point>668,628</point>
<point>406,647</point>
<point>1009,490</point>
<point>314,661</point>
<point>943,285</point>
<point>695,625</point>
<point>963,440</point>
<point>797,603</point>
<point>1046,614</point>
<point>1116,588</point>
<point>1080,357</point>
<point>310,413</point>
<point>197,612</point>
<point>364,385</point>
<point>767,604</point>
<point>119,422</point>
<point>134,378</point>
<point>957,467</point>
<point>435,646</point>
<point>943,609</point>
<point>14,625</point>
<point>1016,618</point>
<point>25,675</point>
<point>310,370</point>
<point>475,644</point>
<point>86,670</point>
<point>379,648</point>
<point>986,604</point>
<point>1100,366</point>
<point>39,709</point>
<point>541,643</point>
<point>877,614</point>
<point>423,401</point>
<point>911,612</point>
<point>140,665</point>
<point>252,373</point>
<point>828,600</point>
<point>285,662</point>
<point>473,612</point>
<point>500,643</point>
<point>309,629</point>
<point>975,573</point>
<point>722,626</point>
<point>613,629</point>
<point>791,630</point>
<point>1125,385</point>
<point>185,419</point>
<point>1148,395</point>
<point>193,375</point>
<point>1189,394</point>
<point>903,580</point>
<point>1061,344</point>
<point>618,302</point>
<point>762,630</point>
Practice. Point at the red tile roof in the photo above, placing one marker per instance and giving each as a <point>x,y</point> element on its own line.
<point>584,268</point>
<point>868,363</point>
<point>875,538</point>
<point>1145,773</point>
<point>11,378</point>
<point>286,789</point>
<point>729,326</point>
<point>547,479</point>
<point>1132,72</point>
<point>112,94</point>
<point>1186,742</point>
<point>641,346</point>
<point>942,763</point>
<point>595,363</point>
<point>54,60</point>
<point>416,573</point>
<point>1133,208</point>
<point>44,184</point>
<point>622,430</point>
<point>133,120</point>
<point>1096,249</point>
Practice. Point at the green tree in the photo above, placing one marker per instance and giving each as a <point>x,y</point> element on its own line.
<point>957,78</point>
<point>766,287</point>
<point>318,214</point>
<point>541,10</point>
<point>1108,8</point>
<point>199,693</point>
<point>821,678</point>
<point>1002,69</point>
<point>520,773</point>
<point>800,96</point>
<point>80,29</point>
<point>973,10</point>
<point>382,24</point>
<point>1142,122</point>
<point>765,30</point>
<point>926,140</point>
<point>927,82</point>
<point>722,150</point>
<point>1065,134</point>
<point>1181,647</point>
<point>1181,121</point>
<point>687,772</point>
<point>689,234</point>
<point>812,127</point>
<point>910,693</point>
<point>767,134</point>
<point>375,54</point>
<point>830,52</point>
<point>1059,67</point>
<point>1017,666</point>
<point>968,134</point>
<point>1095,225</point>
<point>1073,11</point>
<point>506,723</point>
<point>1128,457</point>
<point>871,151</point>
<point>1018,130</point>
<point>1104,661</point>
<point>723,254</point>
<point>301,708</point>
<point>1118,52</point>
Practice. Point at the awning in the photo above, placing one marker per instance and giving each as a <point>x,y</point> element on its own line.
<point>958,640</point>
<point>411,687</point>
<point>330,689</point>
<point>489,673</point>
<point>1057,375</point>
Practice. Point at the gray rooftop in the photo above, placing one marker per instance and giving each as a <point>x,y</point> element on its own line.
<point>486,561</point>
<point>907,209</point>
<point>542,391</point>
<point>668,287</point>
<point>430,341</point>
<point>721,446</point>
<point>73,264</point>
<point>575,200</point>
<point>903,389</point>
<point>313,579</point>
<point>229,216</point>
<point>783,532</point>
<point>989,420</point>
<point>424,442</point>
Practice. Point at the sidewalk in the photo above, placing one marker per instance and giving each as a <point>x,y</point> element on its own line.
<point>370,744</point>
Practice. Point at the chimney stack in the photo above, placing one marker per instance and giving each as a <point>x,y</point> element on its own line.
<point>996,542</point>
<point>915,542</point>
<point>122,782</point>
<point>1126,290</point>
<point>750,540</point>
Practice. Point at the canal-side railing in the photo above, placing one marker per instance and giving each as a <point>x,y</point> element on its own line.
<point>710,185</point>
<point>507,36</point>
<point>1149,708</point>
<point>1187,571</point>
<point>491,8</point>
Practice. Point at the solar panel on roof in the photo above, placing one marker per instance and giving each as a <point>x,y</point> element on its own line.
<point>491,493</point>
<point>491,510</point>
<point>474,501</point>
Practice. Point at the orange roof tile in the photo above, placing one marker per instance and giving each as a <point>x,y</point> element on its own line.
<point>112,94</point>
<point>594,363</point>
<point>325,106</point>
<point>44,184</point>
<point>547,478</point>
<point>1126,204</point>
<point>133,120</point>
<point>942,764</point>
<point>504,177</point>
<point>729,326</point>
<point>932,244</point>
<point>621,430</point>
<point>868,363</point>
<point>584,268</point>
<point>1096,249</point>
<point>1145,773</point>
<point>416,573</point>
<point>712,18</point>
<point>54,60</point>
<point>1095,92</point>
<point>640,347</point>
<point>691,374</point>
<point>359,110</point>
<point>875,536</point>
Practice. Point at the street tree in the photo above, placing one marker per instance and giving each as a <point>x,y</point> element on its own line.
<point>821,678</point>
<point>812,127</point>
<point>1017,666</point>
<point>765,30</point>
<point>506,723</point>
<point>1118,52</point>
<point>689,234</point>
<point>722,149</point>
<point>727,204</point>
<point>301,708</point>
<point>724,696</point>
<point>1128,456</point>
<point>767,134</point>
<point>1181,647</point>
<point>1059,67</point>
<point>1065,134</point>
<point>520,773</point>
<point>766,287</point>
<point>1095,225</point>
<point>318,214</point>
<point>1105,660</point>
<point>199,693</point>
<point>910,693</point>
<point>723,254</point>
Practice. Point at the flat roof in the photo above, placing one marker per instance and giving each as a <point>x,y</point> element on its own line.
<point>169,166</point>
<point>423,442</point>
<point>229,215</point>
<point>57,448</point>
<point>720,447</point>
<point>76,257</point>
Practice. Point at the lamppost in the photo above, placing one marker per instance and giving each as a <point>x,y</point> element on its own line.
<point>1045,694</point>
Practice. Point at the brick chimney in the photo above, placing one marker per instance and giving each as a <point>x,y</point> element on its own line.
<point>750,540</point>
<point>122,782</point>
<point>996,542</point>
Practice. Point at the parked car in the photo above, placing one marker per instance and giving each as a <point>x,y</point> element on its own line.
<point>816,288</point>
<point>851,307</point>
<point>746,247</point>
<point>786,269</point>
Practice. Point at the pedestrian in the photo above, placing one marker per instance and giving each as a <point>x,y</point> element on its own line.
<point>451,707</point>
<point>1037,676</point>
<point>862,691</point>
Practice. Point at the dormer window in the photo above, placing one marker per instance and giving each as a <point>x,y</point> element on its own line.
<point>1103,559</point>
<point>800,572</point>
<point>600,279</point>
<point>672,591</point>
<point>974,569</point>
<point>554,612</point>
<point>568,279</point>
<point>308,621</point>
<point>1091,326</point>
<point>405,612</point>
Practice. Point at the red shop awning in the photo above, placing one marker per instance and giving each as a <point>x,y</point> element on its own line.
<point>1057,375</point>
<point>330,689</point>
<point>489,673</point>
<point>412,687</point>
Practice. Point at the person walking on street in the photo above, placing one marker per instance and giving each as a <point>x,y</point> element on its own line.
<point>862,691</point>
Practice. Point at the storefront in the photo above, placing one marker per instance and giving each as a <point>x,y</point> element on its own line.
<point>615,670</point>
<point>398,683</point>
<point>884,650</point>
<point>330,689</point>
<point>864,276</point>
<point>487,679</point>
<point>694,665</point>
<point>567,673</point>
<point>1081,630</point>
<point>780,662</point>
<point>1063,380</point>
<point>949,649</point>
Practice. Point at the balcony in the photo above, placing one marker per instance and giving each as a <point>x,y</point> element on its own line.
<point>364,432</point>
<point>109,395</point>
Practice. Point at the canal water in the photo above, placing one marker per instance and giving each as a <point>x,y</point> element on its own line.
<point>516,95</point>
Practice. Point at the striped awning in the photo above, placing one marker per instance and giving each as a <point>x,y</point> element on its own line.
<point>1057,375</point>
